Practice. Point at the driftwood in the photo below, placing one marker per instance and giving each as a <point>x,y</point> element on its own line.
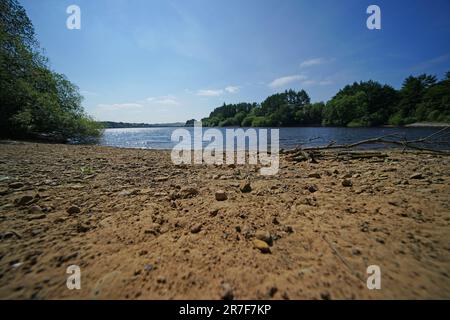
<point>422,144</point>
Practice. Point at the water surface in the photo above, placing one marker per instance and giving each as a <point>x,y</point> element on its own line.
<point>160,138</point>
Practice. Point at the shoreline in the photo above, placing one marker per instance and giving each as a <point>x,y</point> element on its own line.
<point>411,125</point>
<point>140,227</point>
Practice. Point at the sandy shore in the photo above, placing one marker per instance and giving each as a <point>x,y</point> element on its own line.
<point>140,227</point>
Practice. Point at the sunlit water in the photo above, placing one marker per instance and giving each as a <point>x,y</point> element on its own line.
<point>160,138</point>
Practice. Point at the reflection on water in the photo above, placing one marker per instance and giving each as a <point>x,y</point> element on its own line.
<point>160,138</point>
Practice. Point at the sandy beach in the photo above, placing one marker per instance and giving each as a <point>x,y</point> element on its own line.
<point>140,227</point>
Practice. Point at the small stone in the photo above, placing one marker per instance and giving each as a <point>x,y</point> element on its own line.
<point>36,216</point>
<point>188,192</point>
<point>161,279</point>
<point>314,175</point>
<point>312,188</point>
<point>227,292</point>
<point>221,195</point>
<point>288,229</point>
<point>10,234</point>
<point>82,228</point>
<point>153,229</point>
<point>34,209</point>
<point>416,176</point>
<point>271,291</point>
<point>245,187</point>
<point>394,203</point>
<point>325,295</point>
<point>261,246</point>
<point>148,267</point>
<point>23,200</point>
<point>264,236</point>
<point>196,228</point>
<point>73,210</point>
<point>16,185</point>
<point>356,252</point>
<point>347,183</point>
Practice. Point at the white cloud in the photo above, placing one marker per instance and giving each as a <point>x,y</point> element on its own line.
<point>151,103</point>
<point>210,93</point>
<point>216,92</point>
<point>232,89</point>
<point>164,100</point>
<point>283,81</point>
<point>313,62</point>
<point>312,82</point>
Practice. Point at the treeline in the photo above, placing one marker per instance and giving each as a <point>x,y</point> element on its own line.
<point>117,125</point>
<point>35,101</point>
<point>421,98</point>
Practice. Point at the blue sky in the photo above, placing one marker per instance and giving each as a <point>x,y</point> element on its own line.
<point>166,61</point>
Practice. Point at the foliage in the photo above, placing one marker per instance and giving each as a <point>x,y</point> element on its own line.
<point>34,100</point>
<point>360,104</point>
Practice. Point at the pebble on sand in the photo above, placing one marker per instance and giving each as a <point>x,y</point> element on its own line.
<point>312,188</point>
<point>16,185</point>
<point>34,209</point>
<point>23,200</point>
<point>245,187</point>
<point>73,210</point>
<point>221,195</point>
<point>188,192</point>
<point>196,228</point>
<point>264,236</point>
<point>227,292</point>
<point>261,246</point>
<point>347,183</point>
<point>416,176</point>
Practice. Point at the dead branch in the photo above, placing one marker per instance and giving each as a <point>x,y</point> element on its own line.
<point>389,139</point>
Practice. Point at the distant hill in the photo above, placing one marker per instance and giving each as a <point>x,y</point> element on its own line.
<point>112,125</point>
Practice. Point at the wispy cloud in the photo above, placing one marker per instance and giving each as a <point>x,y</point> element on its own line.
<point>283,81</point>
<point>312,82</point>
<point>314,62</point>
<point>209,93</point>
<point>232,89</point>
<point>164,100</point>
<point>430,63</point>
<point>150,103</point>
<point>217,92</point>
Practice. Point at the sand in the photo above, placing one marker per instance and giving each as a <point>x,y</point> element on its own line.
<point>141,228</point>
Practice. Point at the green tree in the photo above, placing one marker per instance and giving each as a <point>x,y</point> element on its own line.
<point>411,95</point>
<point>34,100</point>
<point>361,104</point>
